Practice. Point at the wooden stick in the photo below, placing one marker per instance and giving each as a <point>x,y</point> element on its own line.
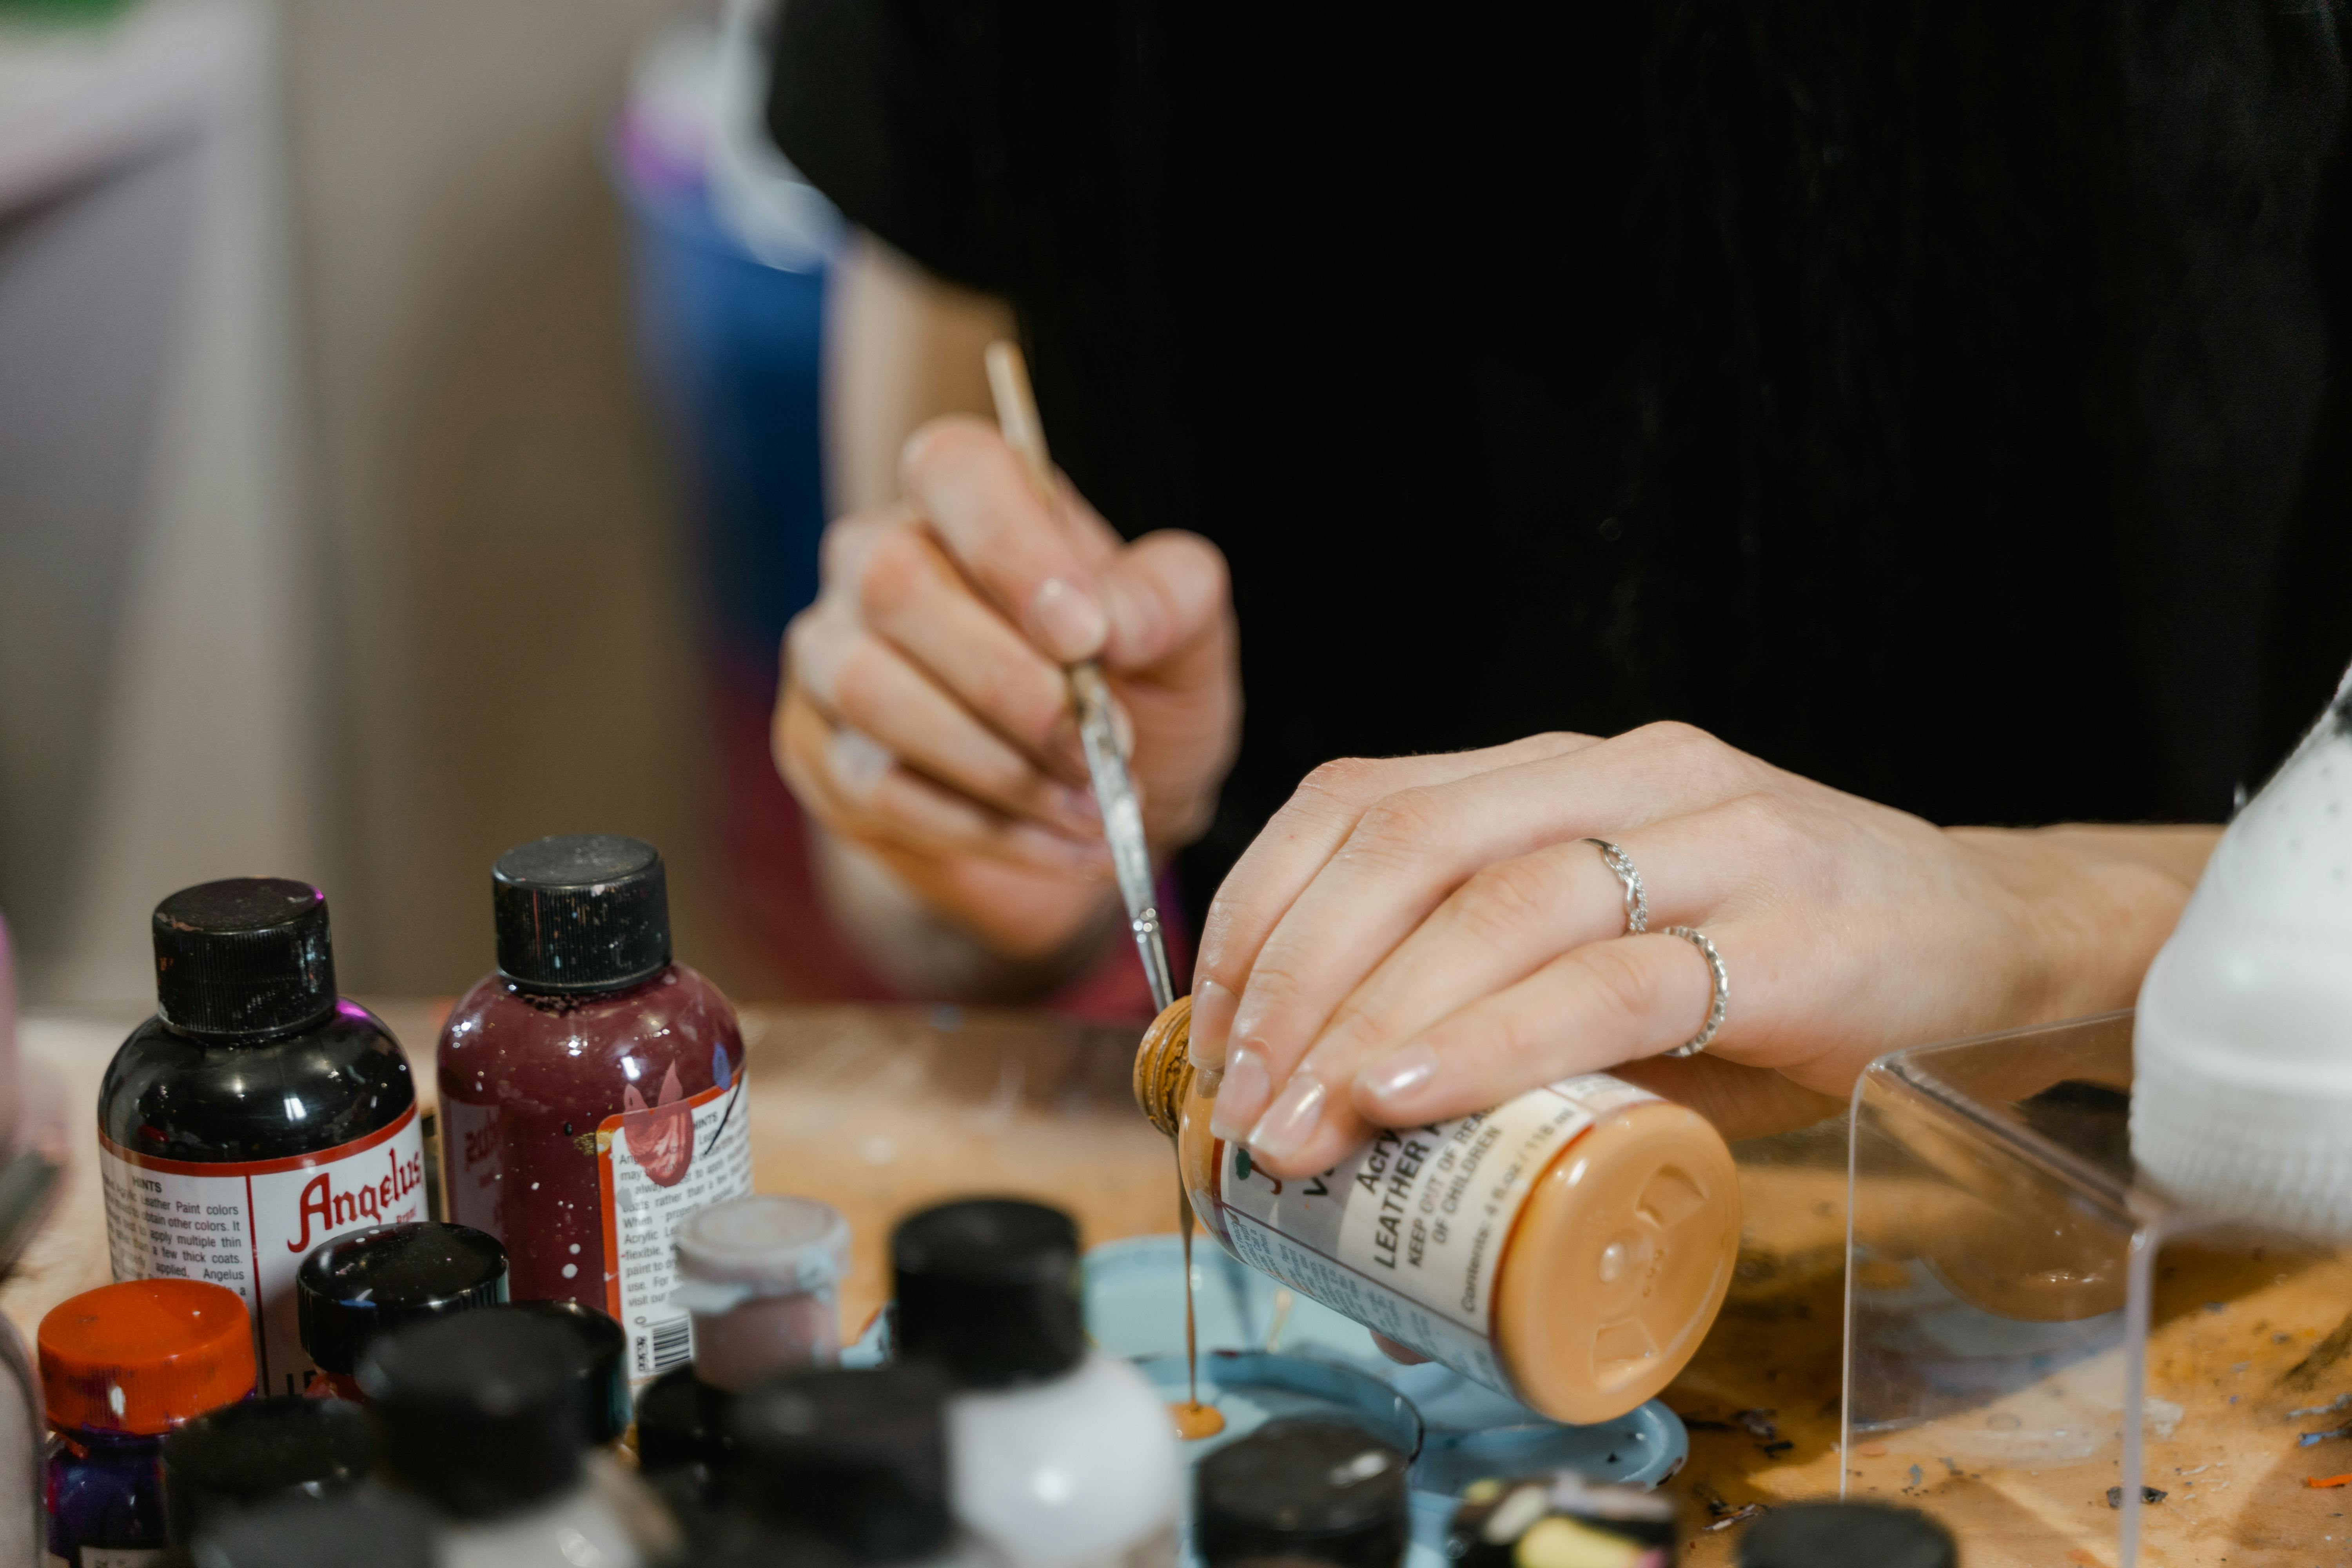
<point>1016,416</point>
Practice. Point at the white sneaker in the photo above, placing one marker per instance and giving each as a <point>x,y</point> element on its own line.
<point>2241,1097</point>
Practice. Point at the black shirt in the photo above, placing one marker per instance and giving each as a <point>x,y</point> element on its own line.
<point>1942,400</point>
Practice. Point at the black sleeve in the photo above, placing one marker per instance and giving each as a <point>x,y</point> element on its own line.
<point>2311,626</point>
<point>868,101</point>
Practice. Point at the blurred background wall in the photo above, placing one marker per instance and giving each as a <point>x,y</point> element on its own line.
<point>475,599</point>
<point>510,648</point>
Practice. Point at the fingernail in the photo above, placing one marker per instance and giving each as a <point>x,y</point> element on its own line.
<point>1068,622</point>
<point>1243,1095</point>
<point>859,762</point>
<point>1119,614</point>
<point>1212,1023</point>
<point>1394,1078</point>
<point>1058,851</point>
<point>1078,805</point>
<point>1291,1120</point>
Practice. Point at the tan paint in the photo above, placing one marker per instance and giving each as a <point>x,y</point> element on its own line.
<point>1612,1274</point>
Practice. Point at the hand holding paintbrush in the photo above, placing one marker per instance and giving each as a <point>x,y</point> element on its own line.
<point>1122,815</point>
<point>927,723</point>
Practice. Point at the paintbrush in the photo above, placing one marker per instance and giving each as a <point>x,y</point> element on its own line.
<point>1016,417</point>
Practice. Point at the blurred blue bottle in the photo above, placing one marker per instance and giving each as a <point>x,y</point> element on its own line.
<point>730,252</point>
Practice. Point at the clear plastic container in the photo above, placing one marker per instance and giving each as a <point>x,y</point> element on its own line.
<point>2058,1361</point>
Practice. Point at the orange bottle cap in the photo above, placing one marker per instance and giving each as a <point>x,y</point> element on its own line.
<point>144,1355</point>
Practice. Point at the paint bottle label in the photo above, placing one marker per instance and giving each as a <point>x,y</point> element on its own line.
<point>656,1164</point>
<point>1407,1236</point>
<point>248,1225</point>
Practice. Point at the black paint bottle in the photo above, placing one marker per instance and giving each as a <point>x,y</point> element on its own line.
<point>257,1114</point>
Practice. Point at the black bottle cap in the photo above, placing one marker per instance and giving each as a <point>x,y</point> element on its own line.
<point>356,1286</point>
<point>856,1457</point>
<point>478,1412</point>
<point>246,957</point>
<point>366,1529</point>
<point>720,1536</point>
<point>682,1423</point>
<point>1304,1491</point>
<point>587,912</point>
<point>1846,1535</point>
<point>987,1289</point>
<point>599,1349</point>
<point>746,1543</point>
<point>259,1451</point>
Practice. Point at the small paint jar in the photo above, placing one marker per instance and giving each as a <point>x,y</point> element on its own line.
<point>372,1282</point>
<point>259,1452</point>
<point>598,1351</point>
<point>1059,1452</point>
<point>1302,1493</point>
<point>479,1417</point>
<point>760,1276</point>
<point>121,1366</point>
<point>840,1463</point>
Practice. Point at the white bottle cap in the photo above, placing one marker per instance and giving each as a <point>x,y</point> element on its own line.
<point>765,1245</point>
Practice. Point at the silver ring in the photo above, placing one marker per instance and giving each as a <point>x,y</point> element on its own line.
<point>1637,901</point>
<point>1722,981</point>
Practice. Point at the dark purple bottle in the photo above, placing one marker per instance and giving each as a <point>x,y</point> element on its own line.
<point>592,1090</point>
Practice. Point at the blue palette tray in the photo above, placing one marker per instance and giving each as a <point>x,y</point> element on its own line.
<point>1135,1306</point>
<point>1266,1351</point>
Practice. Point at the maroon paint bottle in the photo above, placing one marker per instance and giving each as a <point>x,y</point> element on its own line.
<point>592,1091</point>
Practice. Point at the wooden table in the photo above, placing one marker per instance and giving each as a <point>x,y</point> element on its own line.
<point>881,1110</point>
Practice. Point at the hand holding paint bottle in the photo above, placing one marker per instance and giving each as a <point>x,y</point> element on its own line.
<point>1569,1248</point>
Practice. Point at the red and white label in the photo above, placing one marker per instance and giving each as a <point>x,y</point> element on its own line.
<point>249,1226</point>
<point>656,1164</point>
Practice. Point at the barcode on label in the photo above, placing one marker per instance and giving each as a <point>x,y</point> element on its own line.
<point>673,1342</point>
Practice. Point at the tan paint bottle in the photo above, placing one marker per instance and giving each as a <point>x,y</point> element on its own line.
<point>1569,1248</point>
